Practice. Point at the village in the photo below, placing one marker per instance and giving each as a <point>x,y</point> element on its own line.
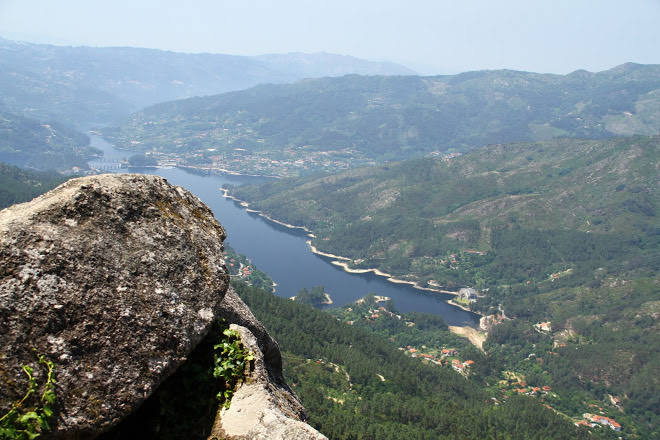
<point>446,357</point>
<point>376,312</point>
<point>240,267</point>
<point>285,162</point>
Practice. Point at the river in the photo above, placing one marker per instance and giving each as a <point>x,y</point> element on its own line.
<point>283,252</point>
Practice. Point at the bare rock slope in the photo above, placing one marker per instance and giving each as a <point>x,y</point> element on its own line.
<point>115,279</point>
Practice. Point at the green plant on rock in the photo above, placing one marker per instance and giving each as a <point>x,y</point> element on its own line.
<point>230,359</point>
<point>27,423</point>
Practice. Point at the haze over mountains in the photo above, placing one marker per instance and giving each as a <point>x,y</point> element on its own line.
<point>560,231</point>
<point>331,123</point>
<point>80,85</point>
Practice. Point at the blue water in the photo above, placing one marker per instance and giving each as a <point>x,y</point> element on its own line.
<point>283,253</point>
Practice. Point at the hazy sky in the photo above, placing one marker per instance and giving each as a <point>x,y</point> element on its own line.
<point>430,36</point>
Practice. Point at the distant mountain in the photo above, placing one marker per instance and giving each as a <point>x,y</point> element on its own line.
<point>326,64</point>
<point>30,143</point>
<point>331,123</point>
<point>86,84</point>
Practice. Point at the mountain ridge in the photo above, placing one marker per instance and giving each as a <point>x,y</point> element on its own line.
<point>109,82</point>
<point>334,123</point>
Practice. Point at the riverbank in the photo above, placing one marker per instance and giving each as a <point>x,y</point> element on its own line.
<point>460,306</point>
<point>344,262</point>
<point>217,170</point>
<point>282,252</point>
<point>327,302</point>
<point>476,337</point>
<point>244,204</point>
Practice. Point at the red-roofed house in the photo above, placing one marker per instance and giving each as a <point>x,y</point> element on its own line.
<point>456,365</point>
<point>606,421</point>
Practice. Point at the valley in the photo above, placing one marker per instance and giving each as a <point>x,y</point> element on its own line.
<point>473,255</point>
<point>330,124</point>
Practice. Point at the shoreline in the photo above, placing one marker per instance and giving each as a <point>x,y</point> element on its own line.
<point>328,301</point>
<point>244,204</point>
<point>344,265</point>
<point>476,337</point>
<point>460,306</point>
<point>211,170</point>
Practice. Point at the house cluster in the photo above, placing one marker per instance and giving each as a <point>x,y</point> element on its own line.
<point>446,157</point>
<point>534,391</point>
<point>289,162</point>
<point>377,313</point>
<point>468,293</point>
<point>594,420</point>
<point>544,327</point>
<point>241,271</point>
<point>443,359</point>
<point>461,367</point>
<point>418,354</point>
<point>487,322</point>
<point>554,276</point>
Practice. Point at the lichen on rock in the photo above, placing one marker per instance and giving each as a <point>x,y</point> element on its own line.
<point>115,278</point>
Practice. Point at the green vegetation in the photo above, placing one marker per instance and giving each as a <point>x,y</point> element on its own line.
<point>19,185</point>
<point>29,417</point>
<point>572,378</point>
<point>141,160</point>
<point>240,267</point>
<point>423,332</point>
<point>231,359</point>
<point>561,231</point>
<point>357,385</point>
<point>335,123</point>
<point>604,342</point>
<point>317,297</point>
<point>30,143</point>
<point>185,405</point>
<point>501,215</point>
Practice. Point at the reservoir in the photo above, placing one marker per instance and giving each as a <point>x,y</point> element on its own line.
<point>283,252</point>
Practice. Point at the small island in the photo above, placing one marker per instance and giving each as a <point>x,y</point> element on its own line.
<point>317,297</point>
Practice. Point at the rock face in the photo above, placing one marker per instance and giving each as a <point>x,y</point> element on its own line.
<point>115,279</point>
<point>263,407</point>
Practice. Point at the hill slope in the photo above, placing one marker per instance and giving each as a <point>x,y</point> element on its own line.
<point>407,218</point>
<point>561,231</point>
<point>358,385</point>
<point>331,123</point>
<point>89,84</point>
<point>30,143</point>
<point>18,185</point>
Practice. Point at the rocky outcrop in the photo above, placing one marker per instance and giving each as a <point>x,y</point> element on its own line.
<point>263,406</point>
<point>115,279</point>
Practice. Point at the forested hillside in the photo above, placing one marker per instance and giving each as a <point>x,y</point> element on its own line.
<point>29,143</point>
<point>504,214</point>
<point>562,232</point>
<point>19,185</point>
<point>356,385</point>
<point>333,123</point>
